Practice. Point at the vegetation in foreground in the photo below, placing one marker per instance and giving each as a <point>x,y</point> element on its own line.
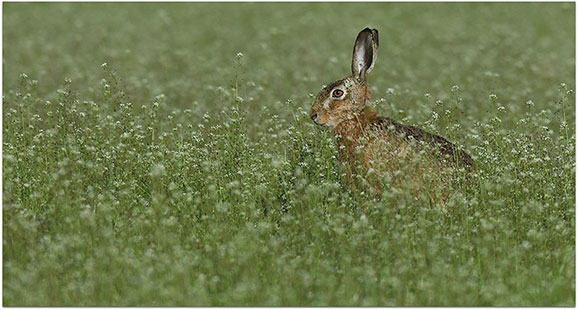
<point>156,155</point>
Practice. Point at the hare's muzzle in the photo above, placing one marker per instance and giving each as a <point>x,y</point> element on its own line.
<point>314,118</point>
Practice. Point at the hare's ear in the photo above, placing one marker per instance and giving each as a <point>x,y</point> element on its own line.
<point>364,53</point>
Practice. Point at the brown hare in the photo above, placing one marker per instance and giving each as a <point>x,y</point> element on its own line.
<point>378,147</point>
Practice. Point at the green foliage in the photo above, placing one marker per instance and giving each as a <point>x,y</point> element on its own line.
<point>184,171</point>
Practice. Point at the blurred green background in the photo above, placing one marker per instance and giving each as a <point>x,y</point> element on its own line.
<point>186,51</point>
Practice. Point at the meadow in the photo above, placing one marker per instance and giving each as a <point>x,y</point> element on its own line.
<point>163,155</point>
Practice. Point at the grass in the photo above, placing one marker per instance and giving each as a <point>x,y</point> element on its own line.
<point>162,155</point>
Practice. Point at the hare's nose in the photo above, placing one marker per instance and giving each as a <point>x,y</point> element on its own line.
<point>314,117</point>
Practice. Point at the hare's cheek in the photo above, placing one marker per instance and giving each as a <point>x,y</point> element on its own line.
<point>339,107</point>
<point>326,108</point>
<point>335,105</point>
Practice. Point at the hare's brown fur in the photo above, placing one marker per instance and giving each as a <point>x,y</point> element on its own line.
<point>375,142</point>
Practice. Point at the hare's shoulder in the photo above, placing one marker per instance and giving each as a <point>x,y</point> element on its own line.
<point>409,133</point>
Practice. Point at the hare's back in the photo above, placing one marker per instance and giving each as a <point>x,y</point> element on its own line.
<point>409,133</point>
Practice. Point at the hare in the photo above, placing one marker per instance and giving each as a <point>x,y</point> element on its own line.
<point>380,145</point>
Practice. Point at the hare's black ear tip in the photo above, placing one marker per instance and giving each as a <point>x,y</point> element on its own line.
<point>367,30</point>
<point>373,32</point>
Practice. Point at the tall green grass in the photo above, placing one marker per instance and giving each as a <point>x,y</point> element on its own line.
<point>161,154</point>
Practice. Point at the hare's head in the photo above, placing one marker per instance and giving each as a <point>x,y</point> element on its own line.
<point>343,99</point>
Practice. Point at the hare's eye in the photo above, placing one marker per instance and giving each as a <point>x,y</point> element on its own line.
<point>337,93</point>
